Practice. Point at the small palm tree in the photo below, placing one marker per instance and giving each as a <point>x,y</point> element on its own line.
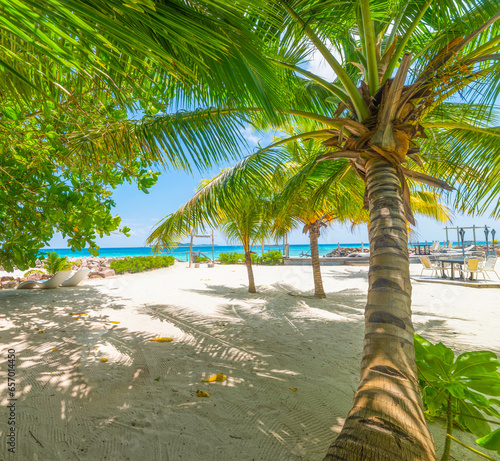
<point>54,263</point>
<point>245,219</point>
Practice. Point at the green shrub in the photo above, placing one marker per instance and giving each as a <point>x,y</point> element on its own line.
<point>53,263</point>
<point>141,263</point>
<point>231,257</point>
<point>32,271</point>
<point>200,259</point>
<point>461,390</point>
<point>271,258</point>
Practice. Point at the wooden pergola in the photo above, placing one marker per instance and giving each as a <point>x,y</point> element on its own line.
<point>193,235</point>
<point>474,228</point>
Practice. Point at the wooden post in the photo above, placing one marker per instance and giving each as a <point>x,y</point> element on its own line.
<point>458,237</point>
<point>447,239</point>
<point>191,250</point>
<point>213,248</point>
<point>474,234</point>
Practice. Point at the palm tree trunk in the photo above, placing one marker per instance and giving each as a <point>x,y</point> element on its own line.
<point>386,421</point>
<point>248,263</point>
<point>319,292</point>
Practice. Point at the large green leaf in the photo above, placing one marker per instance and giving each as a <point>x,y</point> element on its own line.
<point>472,419</point>
<point>486,385</point>
<point>476,363</point>
<point>490,441</point>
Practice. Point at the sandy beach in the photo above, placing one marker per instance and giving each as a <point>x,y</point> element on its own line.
<point>291,361</point>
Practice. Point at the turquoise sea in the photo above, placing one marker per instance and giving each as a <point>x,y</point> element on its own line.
<point>181,252</point>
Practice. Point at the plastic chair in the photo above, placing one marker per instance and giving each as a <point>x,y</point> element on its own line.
<point>429,265</point>
<point>489,265</point>
<point>473,266</point>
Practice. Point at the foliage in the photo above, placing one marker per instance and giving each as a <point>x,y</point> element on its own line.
<point>54,263</point>
<point>141,263</point>
<point>461,389</point>
<point>231,257</point>
<point>33,271</point>
<point>200,258</point>
<point>270,258</point>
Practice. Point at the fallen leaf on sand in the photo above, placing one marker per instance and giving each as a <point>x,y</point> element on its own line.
<point>41,331</point>
<point>104,360</point>
<point>114,321</point>
<point>157,379</point>
<point>78,313</point>
<point>162,340</point>
<point>54,350</point>
<point>202,394</point>
<point>218,377</point>
<point>294,389</point>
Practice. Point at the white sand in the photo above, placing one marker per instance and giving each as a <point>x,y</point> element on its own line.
<point>79,408</point>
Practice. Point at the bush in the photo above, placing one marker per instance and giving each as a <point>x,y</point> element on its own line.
<point>141,263</point>
<point>200,259</point>
<point>460,389</point>
<point>231,258</point>
<point>271,258</point>
<point>53,263</point>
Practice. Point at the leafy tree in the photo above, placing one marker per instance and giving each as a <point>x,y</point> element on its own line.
<point>72,71</point>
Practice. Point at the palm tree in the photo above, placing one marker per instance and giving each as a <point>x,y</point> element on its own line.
<point>246,221</point>
<point>319,193</point>
<point>314,197</point>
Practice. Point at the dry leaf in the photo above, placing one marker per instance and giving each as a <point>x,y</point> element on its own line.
<point>41,331</point>
<point>218,377</point>
<point>202,394</point>
<point>78,313</point>
<point>113,321</point>
<point>104,360</point>
<point>294,389</point>
<point>162,340</point>
<point>54,350</point>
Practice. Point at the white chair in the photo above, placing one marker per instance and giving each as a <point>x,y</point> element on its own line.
<point>473,265</point>
<point>76,279</point>
<point>53,282</point>
<point>489,265</point>
<point>429,265</point>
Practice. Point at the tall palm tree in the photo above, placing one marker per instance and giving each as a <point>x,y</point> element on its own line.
<point>314,197</point>
<point>247,221</point>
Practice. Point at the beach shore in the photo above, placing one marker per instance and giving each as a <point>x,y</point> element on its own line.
<point>92,386</point>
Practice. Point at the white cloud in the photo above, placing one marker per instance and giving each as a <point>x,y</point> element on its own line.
<point>251,136</point>
<point>318,65</point>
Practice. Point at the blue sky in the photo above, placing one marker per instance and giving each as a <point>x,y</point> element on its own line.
<point>140,212</point>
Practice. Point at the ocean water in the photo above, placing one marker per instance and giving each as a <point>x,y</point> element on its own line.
<point>182,251</point>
